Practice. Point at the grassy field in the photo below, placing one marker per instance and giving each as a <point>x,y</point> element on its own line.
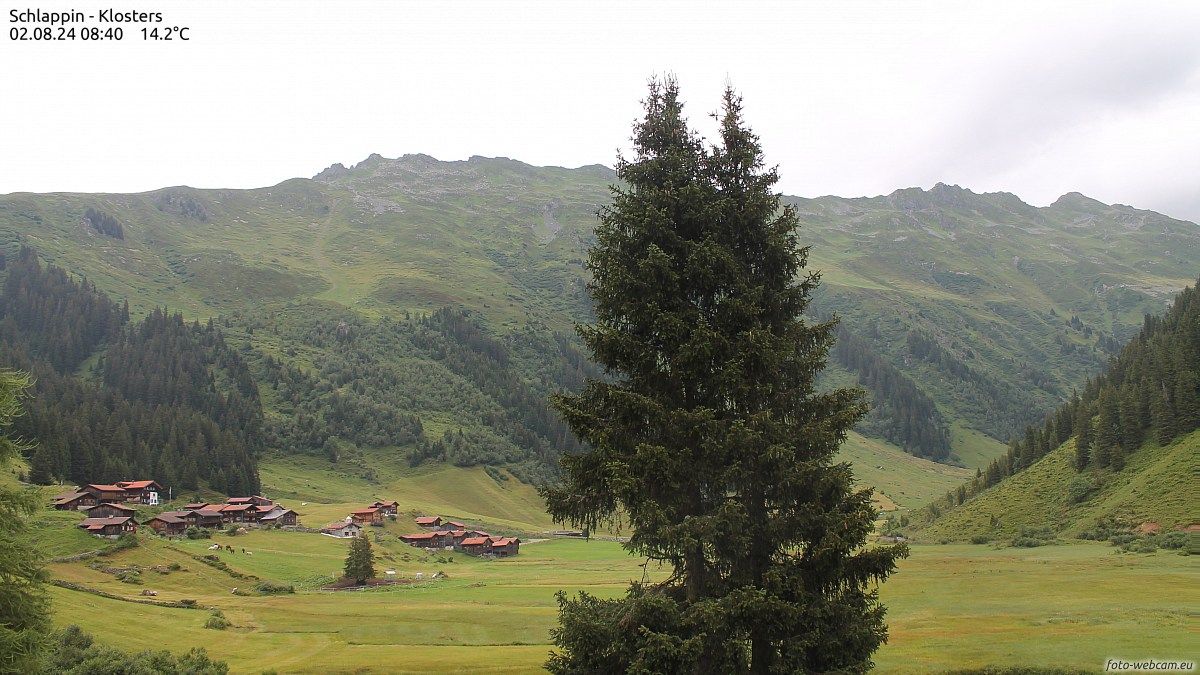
<point>949,606</point>
<point>1157,485</point>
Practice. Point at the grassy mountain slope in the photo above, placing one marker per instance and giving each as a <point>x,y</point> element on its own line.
<point>1157,485</point>
<point>992,307</point>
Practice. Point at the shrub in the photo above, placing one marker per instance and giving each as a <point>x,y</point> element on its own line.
<point>1122,539</point>
<point>273,587</point>
<point>130,577</point>
<point>232,530</point>
<point>1028,542</point>
<point>174,567</point>
<point>1173,540</point>
<point>980,539</point>
<point>1080,488</point>
<point>194,532</point>
<point>217,621</point>
<point>188,602</point>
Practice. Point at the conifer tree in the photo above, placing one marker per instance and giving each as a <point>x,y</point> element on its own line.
<point>1108,428</point>
<point>1083,438</point>
<point>360,561</point>
<point>24,608</point>
<point>710,439</point>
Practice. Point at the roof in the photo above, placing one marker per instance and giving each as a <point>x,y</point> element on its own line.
<point>237,507</point>
<point>479,533</point>
<point>239,500</point>
<point>101,523</point>
<point>455,523</point>
<point>423,535</point>
<point>208,512</point>
<point>136,484</point>
<point>429,520</point>
<point>458,533</point>
<point>101,487</point>
<point>176,514</point>
<point>383,503</point>
<point>475,541</point>
<point>68,497</point>
<point>168,517</point>
<point>120,507</point>
<point>276,514</point>
<point>502,542</point>
<point>195,506</point>
<point>367,511</point>
<point>340,526</point>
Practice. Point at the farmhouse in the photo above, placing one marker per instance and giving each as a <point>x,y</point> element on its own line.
<point>342,530</point>
<point>106,493</point>
<point>429,521</point>
<point>476,545</point>
<point>109,527</point>
<point>144,491</point>
<point>280,516</point>
<point>388,508</point>
<point>110,510</point>
<point>169,523</point>
<point>422,540</point>
<point>71,501</point>
<point>368,516</point>
<point>502,548</point>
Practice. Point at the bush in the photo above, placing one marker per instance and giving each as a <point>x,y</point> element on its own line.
<point>1173,540</point>
<point>980,539</point>
<point>273,588</point>
<point>130,577</point>
<point>217,621</point>
<point>188,602</point>
<point>1122,539</point>
<point>1028,542</point>
<point>1080,488</point>
<point>232,530</point>
<point>174,567</point>
<point>194,532</point>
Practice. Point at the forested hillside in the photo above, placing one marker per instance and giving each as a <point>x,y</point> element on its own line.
<point>966,316</point>
<point>117,401</point>
<point>1137,418</point>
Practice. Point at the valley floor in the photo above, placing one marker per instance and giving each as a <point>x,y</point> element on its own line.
<point>948,607</point>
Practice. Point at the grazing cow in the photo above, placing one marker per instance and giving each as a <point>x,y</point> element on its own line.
<point>249,552</point>
<point>243,550</point>
<point>229,548</point>
<point>215,547</point>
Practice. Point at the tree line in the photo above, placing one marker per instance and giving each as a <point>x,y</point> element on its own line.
<point>1150,391</point>
<point>163,398</point>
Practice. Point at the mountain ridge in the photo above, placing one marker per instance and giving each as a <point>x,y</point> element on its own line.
<point>992,307</point>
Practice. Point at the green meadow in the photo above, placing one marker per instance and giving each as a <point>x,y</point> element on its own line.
<point>948,606</point>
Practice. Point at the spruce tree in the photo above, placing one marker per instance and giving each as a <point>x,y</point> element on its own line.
<point>1108,429</point>
<point>24,607</point>
<point>1083,437</point>
<point>709,439</point>
<point>360,561</point>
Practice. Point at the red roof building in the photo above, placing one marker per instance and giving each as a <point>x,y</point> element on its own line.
<point>109,527</point>
<point>429,521</point>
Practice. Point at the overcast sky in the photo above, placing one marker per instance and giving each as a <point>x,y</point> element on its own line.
<point>849,98</point>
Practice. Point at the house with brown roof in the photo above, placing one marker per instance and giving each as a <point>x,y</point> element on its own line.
<point>429,521</point>
<point>168,523</point>
<point>342,530</point>
<point>388,508</point>
<point>144,491</point>
<point>239,513</point>
<point>106,493</point>
<point>476,545</point>
<point>109,510</point>
<point>368,516</point>
<point>454,525</point>
<point>422,540</point>
<point>71,501</point>
<point>204,517</point>
<point>109,527</point>
<point>504,547</point>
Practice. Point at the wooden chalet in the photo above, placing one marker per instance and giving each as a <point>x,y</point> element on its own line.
<point>204,517</point>
<point>195,506</point>
<point>504,547</point>
<point>239,513</point>
<point>109,510</point>
<point>388,508</point>
<point>72,501</point>
<point>169,523</point>
<point>109,527</point>
<point>429,521</point>
<point>342,530</point>
<point>454,525</point>
<point>369,516</point>
<point>257,500</point>
<point>476,545</point>
<point>422,540</point>
<point>280,516</point>
<point>105,493</point>
<point>143,491</point>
